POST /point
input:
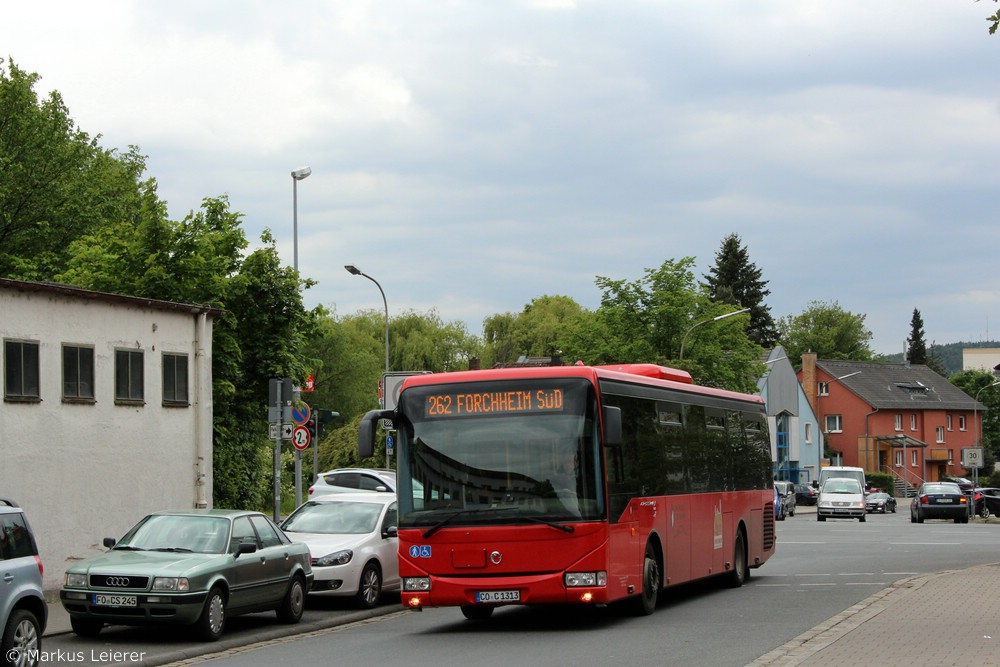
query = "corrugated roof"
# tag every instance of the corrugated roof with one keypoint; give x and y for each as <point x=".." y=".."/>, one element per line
<point x="899" y="386"/>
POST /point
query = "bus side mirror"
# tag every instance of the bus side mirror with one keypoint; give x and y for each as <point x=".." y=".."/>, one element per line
<point x="366" y="431"/>
<point x="612" y="426"/>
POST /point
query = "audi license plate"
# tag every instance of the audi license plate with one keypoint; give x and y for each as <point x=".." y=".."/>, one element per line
<point x="103" y="600"/>
<point x="944" y="500"/>
<point x="498" y="596"/>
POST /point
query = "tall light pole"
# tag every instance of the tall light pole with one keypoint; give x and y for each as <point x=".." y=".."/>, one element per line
<point x="297" y="175"/>
<point x="711" y="319"/>
<point x="355" y="271"/>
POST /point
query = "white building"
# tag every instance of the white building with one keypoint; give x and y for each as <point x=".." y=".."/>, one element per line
<point x="981" y="359"/>
<point x="106" y="413"/>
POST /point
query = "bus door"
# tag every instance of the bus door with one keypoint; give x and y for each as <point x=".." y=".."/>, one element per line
<point x="625" y="546"/>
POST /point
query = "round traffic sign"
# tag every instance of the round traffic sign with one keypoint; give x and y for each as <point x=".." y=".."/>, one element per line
<point x="301" y="412"/>
<point x="301" y="437"/>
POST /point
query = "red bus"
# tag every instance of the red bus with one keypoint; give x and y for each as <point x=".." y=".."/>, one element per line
<point x="574" y="484"/>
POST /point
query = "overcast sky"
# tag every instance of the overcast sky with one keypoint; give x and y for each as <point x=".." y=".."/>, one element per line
<point x="474" y="155"/>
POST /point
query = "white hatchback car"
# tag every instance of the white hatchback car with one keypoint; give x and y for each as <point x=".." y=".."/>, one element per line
<point x="352" y="539"/>
<point x="352" y="480"/>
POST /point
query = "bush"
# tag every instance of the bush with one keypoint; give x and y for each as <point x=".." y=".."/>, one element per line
<point x="881" y="480"/>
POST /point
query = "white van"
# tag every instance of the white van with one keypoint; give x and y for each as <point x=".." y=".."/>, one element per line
<point x="849" y="472"/>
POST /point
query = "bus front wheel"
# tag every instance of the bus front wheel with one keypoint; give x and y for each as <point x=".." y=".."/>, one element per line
<point x="645" y="604"/>
<point x="740" y="571"/>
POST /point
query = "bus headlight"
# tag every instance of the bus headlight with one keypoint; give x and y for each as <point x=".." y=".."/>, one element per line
<point x="577" y="579"/>
<point x="416" y="583"/>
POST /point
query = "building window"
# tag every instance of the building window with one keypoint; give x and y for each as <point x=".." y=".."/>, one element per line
<point x="899" y="458"/>
<point x="824" y="389"/>
<point x="809" y="433"/>
<point x="834" y="424"/>
<point x="175" y="379"/>
<point x="951" y="456"/>
<point x="913" y="458"/>
<point x="899" y="422"/>
<point x="20" y="370"/>
<point x="940" y="433"/>
<point x="949" y="422"/>
<point x="913" y="422"/>
<point x="128" y="376"/>
<point x="961" y="422"/>
<point x="78" y="372"/>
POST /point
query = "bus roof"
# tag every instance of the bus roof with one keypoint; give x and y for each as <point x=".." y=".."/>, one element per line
<point x="650" y="374"/>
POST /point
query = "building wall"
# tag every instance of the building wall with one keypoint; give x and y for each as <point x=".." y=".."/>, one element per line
<point x="87" y="471"/>
<point x="980" y="359"/>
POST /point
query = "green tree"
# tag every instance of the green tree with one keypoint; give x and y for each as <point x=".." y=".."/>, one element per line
<point x="56" y="183"/>
<point x="986" y="422"/>
<point x="647" y="321"/>
<point x="916" y="346"/>
<point x="539" y="330"/>
<point x="829" y="331"/>
<point x="994" y="20"/>
<point x="735" y="280"/>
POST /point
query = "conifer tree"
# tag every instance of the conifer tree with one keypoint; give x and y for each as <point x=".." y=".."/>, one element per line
<point x="736" y="280"/>
<point x="916" y="346"/>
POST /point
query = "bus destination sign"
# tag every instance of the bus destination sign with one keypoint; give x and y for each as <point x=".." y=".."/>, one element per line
<point x="482" y="403"/>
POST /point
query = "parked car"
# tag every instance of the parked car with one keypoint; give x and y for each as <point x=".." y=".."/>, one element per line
<point x="352" y="538"/>
<point x="23" y="612"/>
<point x="939" y="500"/>
<point x="841" y="498"/>
<point x="787" y="492"/>
<point x="963" y="483"/>
<point x="987" y="502"/>
<point x="805" y="494"/>
<point x="779" y="513"/>
<point x="348" y="480"/>
<point x="194" y="568"/>
<point x="879" y="501"/>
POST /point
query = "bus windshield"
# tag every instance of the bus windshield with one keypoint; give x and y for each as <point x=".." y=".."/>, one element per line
<point x="500" y="452"/>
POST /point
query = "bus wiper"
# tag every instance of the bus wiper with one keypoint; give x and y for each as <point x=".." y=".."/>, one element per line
<point x="479" y="510"/>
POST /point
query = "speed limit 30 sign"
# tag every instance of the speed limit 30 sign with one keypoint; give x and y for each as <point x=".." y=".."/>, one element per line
<point x="301" y="437"/>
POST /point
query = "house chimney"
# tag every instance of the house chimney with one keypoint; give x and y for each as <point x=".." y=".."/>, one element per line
<point x="809" y="385"/>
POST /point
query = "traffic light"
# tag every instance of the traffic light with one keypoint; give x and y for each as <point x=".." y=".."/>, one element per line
<point x="311" y="426"/>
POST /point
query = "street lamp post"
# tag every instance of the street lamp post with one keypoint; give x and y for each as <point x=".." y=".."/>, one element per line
<point x="297" y="175"/>
<point x="711" y="319"/>
<point x="355" y="271"/>
<point x="977" y="424"/>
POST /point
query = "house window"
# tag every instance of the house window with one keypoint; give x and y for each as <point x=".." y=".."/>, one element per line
<point x="175" y="379"/>
<point x="808" y="433"/>
<point x="949" y="422"/>
<point x="913" y="458"/>
<point x="834" y="424"/>
<point x="961" y="422"/>
<point x="940" y="433"/>
<point x="78" y="372"/>
<point x="913" y="422"/>
<point x="899" y="422"/>
<point x="899" y="458"/>
<point x="824" y="389"/>
<point x="128" y="375"/>
<point x="951" y="456"/>
<point x="20" y="370"/>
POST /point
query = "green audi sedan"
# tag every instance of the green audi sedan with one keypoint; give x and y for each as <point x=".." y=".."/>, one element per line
<point x="193" y="568"/>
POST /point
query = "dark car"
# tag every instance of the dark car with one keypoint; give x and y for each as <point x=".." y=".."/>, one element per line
<point x="805" y="494"/>
<point x="879" y="501"/>
<point x="987" y="502"/>
<point x="965" y="484"/>
<point x="939" y="500"/>
<point x="196" y="568"/>
<point x="787" y="492"/>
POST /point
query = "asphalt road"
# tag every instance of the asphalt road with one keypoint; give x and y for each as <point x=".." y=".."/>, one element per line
<point x="819" y="570"/>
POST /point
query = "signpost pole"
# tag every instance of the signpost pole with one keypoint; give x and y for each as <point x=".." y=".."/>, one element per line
<point x="276" y="484"/>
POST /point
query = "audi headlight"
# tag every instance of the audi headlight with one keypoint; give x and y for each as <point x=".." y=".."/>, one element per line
<point x="75" y="580"/>
<point x="171" y="584"/>
<point x="336" y="558"/>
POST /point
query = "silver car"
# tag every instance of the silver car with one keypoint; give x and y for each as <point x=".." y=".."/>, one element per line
<point x="23" y="612"/>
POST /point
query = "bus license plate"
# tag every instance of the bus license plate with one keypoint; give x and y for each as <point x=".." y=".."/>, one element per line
<point x="498" y="596"/>
<point x="102" y="600"/>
